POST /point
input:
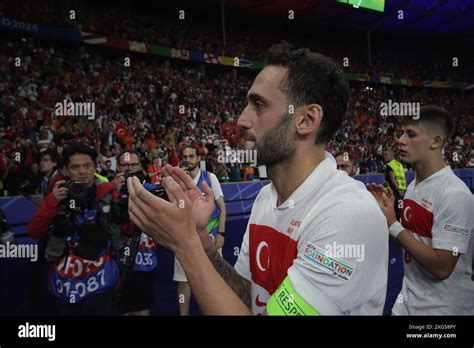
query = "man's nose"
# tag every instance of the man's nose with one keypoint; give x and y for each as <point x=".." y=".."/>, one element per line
<point x="244" y="120"/>
<point x="401" y="140"/>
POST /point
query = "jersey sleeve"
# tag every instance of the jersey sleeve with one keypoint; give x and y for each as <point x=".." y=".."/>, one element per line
<point x="242" y="266"/>
<point x="342" y="260"/>
<point x="216" y="186"/>
<point x="453" y="222"/>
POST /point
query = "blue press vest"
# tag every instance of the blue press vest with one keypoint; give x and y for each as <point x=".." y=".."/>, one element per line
<point x="72" y="278"/>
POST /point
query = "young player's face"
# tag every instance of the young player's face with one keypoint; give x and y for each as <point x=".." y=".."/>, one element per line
<point x="265" y="118"/>
<point x="414" y="144"/>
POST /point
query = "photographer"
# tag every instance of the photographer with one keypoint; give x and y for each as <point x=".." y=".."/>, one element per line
<point x="136" y="294"/>
<point x="83" y="241"/>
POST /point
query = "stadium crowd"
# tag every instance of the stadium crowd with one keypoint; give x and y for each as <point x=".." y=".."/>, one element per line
<point x="408" y="58"/>
<point x="156" y="107"/>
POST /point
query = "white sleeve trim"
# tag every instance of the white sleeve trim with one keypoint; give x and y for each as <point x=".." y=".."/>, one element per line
<point x="460" y="248"/>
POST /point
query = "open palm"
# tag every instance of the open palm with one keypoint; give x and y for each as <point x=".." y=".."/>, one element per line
<point x="202" y="203"/>
<point x="386" y="200"/>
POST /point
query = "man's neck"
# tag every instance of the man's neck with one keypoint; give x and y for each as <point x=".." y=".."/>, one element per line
<point x="195" y="172"/>
<point x="425" y="169"/>
<point x="287" y="177"/>
<point x="49" y="173"/>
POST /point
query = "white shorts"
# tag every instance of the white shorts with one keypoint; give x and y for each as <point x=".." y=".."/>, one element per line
<point x="179" y="275"/>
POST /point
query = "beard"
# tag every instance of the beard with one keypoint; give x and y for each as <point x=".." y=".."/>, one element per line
<point x="277" y="145"/>
<point x="192" y="166"/>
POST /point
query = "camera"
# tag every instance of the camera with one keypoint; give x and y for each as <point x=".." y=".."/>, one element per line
<point x="139" y="174"/>
<point x="184" y="165"/>
<point x="77" y="190"/>
<point x="80" y="193"/>
<point x="94" y="231"/>
<point x="158" y="191"/>
<point x="121" y="210"/>
<point x="124" y="189"/>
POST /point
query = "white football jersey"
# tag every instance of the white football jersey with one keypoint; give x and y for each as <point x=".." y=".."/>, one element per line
<point x="439" y="211"/>
<point x="329" y="238"/>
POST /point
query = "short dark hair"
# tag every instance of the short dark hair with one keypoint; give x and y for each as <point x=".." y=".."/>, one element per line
<point x="191" y="147"/>
<point x="435" y="116"/>
<point x="312" y="79"/>
<point x="78" y="148"/>
<point x="132" y="152"/>
<point x="53" y="154"/>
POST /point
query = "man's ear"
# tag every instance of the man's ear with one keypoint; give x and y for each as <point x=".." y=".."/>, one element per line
<point x="309" y="119"/>
<point x="65" y="171"/>
<point x="437" y="142"/>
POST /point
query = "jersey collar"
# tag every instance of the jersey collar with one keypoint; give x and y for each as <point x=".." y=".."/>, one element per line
<point x="434" y="175"/>
<point x="310" y="186"/>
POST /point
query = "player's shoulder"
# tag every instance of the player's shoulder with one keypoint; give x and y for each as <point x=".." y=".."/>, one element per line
<point x="343" y="188"/>
<point x="345" y="196"/>
<point x="264" y="194"/>
<point x="456" y="196"/>
<point x="455" y="184"/>
<point x="263" y="200"/>
<point x="346" y="213"/>
<point x="450" y="188"/>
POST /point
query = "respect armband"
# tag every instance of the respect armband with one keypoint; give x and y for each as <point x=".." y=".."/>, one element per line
<point x="286" y="301"/>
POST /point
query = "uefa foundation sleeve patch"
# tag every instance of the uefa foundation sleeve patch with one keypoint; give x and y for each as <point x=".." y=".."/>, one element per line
<point x="285" y="301"/>
<point x="327" y="262"/>
<point x="456" y="230"/>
